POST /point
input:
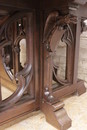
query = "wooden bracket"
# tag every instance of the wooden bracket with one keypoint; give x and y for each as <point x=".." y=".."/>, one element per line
<point x="56" y="115"/>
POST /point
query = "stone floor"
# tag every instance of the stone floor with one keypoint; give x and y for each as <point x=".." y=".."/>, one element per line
<point x="76" y="107"/>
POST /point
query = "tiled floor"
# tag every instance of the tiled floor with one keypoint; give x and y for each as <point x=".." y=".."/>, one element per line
<point x="75" y="106"/>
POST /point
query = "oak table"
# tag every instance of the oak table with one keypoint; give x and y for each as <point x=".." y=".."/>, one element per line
<point x="40" y="26"/>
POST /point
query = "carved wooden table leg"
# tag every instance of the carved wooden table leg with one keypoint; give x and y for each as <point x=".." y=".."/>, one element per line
<point x="39" y="86"/>
<point x="66" y="28"/>
<point x="51" y="105"/>
<point x="17" y="27"/>
<point x="56" y="115"/>
<point x="80" y="86"/>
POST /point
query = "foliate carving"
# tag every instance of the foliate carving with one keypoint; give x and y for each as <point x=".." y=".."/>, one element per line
<point x="60" y="26"/>
<point x="53" y="22"/>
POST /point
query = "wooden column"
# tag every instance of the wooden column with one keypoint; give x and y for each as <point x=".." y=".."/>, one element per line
<point x="77" y="46"/>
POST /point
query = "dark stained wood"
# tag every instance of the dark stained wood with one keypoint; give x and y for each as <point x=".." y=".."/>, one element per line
<point x="30" y="91"/>
<point x="30" y="50"/>
<point x="53" y="4"/>
<point x="36" y="57"/>
<point x="58" y="118"/>
<point x="65" y="91"/>
<point x="71" y="37"/>
<point x="43" y="24"/>
<point x="17" y="111"/>
<point x="20" y="4"/>
<point x="77" y="47"/>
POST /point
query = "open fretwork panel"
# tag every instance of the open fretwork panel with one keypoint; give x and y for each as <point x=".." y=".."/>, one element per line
<point x="62" y="27"/>
<point x="32" y="35"/>
<point x="18" y="59"/>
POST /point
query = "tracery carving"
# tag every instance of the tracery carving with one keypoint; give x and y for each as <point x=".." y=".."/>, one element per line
<point x="34" y="79"/>
<point x="8" y="40"/>
<point x="61" y="25"/>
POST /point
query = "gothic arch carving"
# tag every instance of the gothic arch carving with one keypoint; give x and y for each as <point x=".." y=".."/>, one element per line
<point x="23" y="77"/>
<point x="64" y="32"/>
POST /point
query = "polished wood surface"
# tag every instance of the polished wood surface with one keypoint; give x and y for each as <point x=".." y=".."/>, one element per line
<point x="43" y="24"/>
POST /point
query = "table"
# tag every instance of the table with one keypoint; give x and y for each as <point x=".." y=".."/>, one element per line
<point x="42" y="25"/>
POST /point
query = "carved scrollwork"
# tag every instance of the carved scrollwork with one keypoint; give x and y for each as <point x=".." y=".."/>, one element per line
<point x="68" y="36"/>
<point x="60" y="27"/>
<point x="53" y="22"/>
<point x="24" y="76"/>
